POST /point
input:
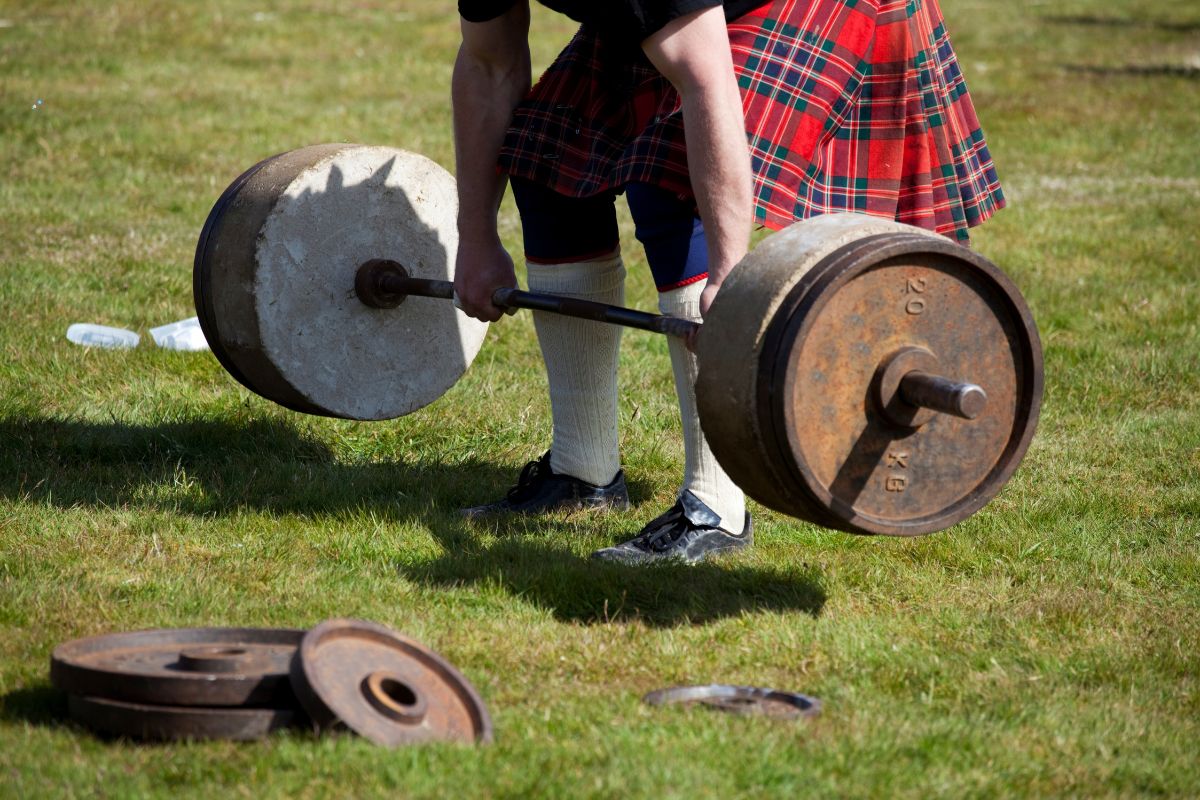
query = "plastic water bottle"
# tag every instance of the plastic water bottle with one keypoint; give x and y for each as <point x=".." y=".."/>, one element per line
<point x="90" y="335"/>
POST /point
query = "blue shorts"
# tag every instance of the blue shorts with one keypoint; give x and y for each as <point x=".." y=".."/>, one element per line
<point x="560" y="229"/>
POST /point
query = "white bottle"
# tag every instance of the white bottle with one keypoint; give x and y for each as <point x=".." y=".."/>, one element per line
<point x="90" y="335"/>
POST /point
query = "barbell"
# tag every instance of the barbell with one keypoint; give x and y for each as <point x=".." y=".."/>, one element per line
<point x="854" y="372"/>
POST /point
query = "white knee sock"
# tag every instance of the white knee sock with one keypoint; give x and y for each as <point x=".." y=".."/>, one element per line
<point x="702" y="474"/>
<point x="581" y="365"/>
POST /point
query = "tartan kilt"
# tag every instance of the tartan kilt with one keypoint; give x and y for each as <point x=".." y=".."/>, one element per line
<point x="850" y="105"/>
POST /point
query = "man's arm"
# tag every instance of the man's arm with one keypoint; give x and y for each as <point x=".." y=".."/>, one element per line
<point x="491" y="75"/>
<point x="693" y="53"/>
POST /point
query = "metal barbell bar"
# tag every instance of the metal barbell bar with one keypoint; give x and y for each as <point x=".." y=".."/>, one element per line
<point x="384" y="284"/>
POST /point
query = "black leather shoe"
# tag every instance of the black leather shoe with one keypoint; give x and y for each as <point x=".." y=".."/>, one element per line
<point x="539" y="490"/>
<point x="689" y="532"/>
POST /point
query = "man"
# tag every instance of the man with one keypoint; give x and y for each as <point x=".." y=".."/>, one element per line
<point x="845" y="106"/>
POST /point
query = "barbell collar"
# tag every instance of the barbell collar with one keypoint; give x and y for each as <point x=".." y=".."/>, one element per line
<point x="921" y="389"/>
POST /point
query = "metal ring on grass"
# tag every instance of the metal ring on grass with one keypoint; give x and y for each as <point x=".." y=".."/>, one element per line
<point x="739" y="700"/>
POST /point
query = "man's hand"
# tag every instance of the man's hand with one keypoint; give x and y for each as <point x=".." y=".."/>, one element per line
<point x="706" y="297"/>
<point x="482" y="269"/>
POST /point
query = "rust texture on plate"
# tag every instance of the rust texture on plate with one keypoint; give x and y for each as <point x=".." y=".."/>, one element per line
<point x="176" y="723"/>
<point x="739" y="700"/>
<point x="845" y="323"/>
<point x="181" y="666"/>
<point x="737" y="331"/>
<point x="385" y="687"/>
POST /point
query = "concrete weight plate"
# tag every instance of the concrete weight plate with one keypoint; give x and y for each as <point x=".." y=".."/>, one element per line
<point x="181" y="666"/>
<point x="385" y="687"/>
<point x="274" y="281"/>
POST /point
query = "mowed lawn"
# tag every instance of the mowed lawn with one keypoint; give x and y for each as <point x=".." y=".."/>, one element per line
<point x="1048" y="646"/>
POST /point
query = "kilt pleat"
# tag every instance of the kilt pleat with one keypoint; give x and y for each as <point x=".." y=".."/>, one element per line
<point x="850" y="105"/>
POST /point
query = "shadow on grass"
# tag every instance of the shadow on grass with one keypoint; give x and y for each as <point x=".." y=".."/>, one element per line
<point x="210" y="468"/>
<point x="576" y="589"/>
<point x="204" y="468"/>
<point x="43" y="706"/>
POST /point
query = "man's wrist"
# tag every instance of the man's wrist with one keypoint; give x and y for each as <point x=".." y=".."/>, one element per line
<point x="472" y="233"/>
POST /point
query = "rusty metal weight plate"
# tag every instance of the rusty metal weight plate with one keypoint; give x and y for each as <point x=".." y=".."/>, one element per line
<point x="862" y="321"/>
<point x="181" y="666"/>
<point x="179" y="723"/>
<point x="870" y="466"/>
<point x="385" y="687"/>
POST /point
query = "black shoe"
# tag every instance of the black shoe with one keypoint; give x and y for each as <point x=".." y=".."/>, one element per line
<point x="539" y="490"/>
<point x="688" y="532"/>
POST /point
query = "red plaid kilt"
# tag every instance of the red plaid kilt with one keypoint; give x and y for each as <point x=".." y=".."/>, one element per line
<point x="850" y="105"/>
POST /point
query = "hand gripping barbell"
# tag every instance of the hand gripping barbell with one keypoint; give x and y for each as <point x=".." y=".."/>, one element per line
<point x="854" y="372"/>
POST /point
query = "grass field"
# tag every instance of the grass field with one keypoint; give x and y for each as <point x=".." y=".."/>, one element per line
<point x="1045" y="647"/>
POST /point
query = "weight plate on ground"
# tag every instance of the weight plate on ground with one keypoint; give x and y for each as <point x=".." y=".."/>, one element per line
<point x="739" y="700"/>
<point x="274" y="281"/>
<point x="385" y="687"/>
<point x="175" y="723"/>
<point x="181" y="666"/>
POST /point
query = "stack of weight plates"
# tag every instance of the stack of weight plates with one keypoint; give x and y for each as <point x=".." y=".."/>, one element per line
<point x="243" y="683"/>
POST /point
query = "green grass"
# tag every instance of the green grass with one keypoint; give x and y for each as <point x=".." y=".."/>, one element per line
<point x="1047" y="646"/>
